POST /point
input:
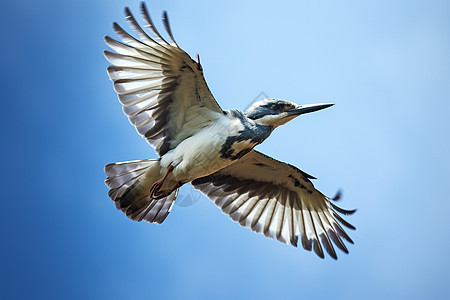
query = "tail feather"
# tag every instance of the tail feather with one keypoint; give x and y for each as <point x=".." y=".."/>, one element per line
<point x="130" y="184"/>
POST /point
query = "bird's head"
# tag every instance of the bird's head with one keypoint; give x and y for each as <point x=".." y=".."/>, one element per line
<point x="276" y="112"/>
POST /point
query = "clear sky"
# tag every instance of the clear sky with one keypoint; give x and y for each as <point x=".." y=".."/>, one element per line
<point x="386" y="143"/>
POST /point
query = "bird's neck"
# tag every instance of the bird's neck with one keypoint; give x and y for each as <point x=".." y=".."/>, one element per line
<point x="250" y="135"/>
<point x="257" y="132"/>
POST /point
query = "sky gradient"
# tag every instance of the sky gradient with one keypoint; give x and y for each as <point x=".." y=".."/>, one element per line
<point x="386" y="143"/>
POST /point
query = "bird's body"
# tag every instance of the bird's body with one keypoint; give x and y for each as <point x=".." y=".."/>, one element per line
<point x="165" y="96"/>
<point x="220" y="143"/>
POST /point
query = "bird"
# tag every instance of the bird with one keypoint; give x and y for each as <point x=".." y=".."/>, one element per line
<point x="165" y="96"/>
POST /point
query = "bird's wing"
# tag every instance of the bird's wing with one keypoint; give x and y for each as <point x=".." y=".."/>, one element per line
<point x="162" y="90"/>
<point x="279" y="200"/>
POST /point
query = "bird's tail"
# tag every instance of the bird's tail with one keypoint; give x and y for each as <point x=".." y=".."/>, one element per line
<point x="130" y="184"/>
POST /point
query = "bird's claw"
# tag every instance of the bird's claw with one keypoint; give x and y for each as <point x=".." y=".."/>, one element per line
<point x="155" y="193"/>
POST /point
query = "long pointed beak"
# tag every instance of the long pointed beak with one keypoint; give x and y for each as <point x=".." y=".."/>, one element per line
<point x="303" y="109"/>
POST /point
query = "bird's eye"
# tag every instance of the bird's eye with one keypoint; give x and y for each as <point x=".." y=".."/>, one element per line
<point x="275" y="107"/>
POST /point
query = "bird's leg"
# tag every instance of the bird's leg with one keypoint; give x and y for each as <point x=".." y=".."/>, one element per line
<point x="155" y="193"/>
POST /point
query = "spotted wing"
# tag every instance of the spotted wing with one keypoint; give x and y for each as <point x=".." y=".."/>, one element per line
<point x="279" y="200"/>
<point x="162" y="90"/>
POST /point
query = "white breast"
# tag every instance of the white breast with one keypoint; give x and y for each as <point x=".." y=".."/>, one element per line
<point x="199" y="155"/>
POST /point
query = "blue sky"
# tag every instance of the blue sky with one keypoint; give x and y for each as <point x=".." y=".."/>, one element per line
<point x="385" y="64"/>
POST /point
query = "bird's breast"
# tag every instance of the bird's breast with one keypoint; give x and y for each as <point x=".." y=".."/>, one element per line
<point x="239" y="143"/>
<point x="202" y="153"/>
<point x="236" y="146"/>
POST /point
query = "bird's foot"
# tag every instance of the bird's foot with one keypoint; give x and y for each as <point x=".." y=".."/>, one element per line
<point x="161" y="194"/>
<point x="155" y="193"/>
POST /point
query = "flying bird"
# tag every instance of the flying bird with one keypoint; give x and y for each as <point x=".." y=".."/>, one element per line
<point x="165" y="96"/>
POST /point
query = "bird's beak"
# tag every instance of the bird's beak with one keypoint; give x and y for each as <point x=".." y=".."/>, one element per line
<point x="303" y="109"/>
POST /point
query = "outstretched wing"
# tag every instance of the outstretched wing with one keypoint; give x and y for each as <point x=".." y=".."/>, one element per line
<point x="162" y="90"/>
<point x="277" y="199"/>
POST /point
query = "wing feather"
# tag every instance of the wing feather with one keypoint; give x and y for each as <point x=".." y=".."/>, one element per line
<point x="158" y="83"/>
<point x="270" y="216"/>
<point x="315" y="237"/>
<point x="281" y="220"/>
<point x="293" y="235"/>
<point x="332" y="233"/>
<point x="252" y="202"/>
<point x="301" y="225"/>
<point x="278" y="200"/>
<point x="135" y="26"/>
<point x="150" y="23"/>
<point x="167" y="26"/>
<point x="256" y="225"/>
